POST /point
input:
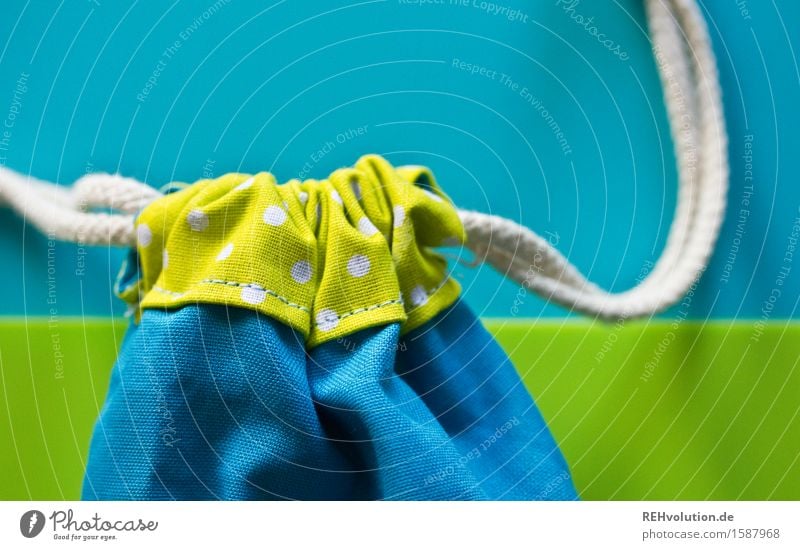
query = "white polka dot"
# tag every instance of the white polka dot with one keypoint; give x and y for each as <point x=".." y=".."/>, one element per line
<point x="198" y="220"/>
<point x="336" y="196"/>
<point x="301" y="271"/>
<point x="286" y="205"/>
<point x="358" y="265"/>
<point x="432" y="195"/>
<point x="164" y="259"/>
<point x="245" y="184"/>
<point x="302" y="197"/>
<point x="419" y="296"/>
<point x="225" y="252"/>
<point x="143" y="235"/>
<point x="366" y="227"/>
<point x="274" y="215"/>
<point x="327" y="320"/>
<point x="356" y="189"/>
<point x="399" y="215"/>
<point x="253" y="294"/>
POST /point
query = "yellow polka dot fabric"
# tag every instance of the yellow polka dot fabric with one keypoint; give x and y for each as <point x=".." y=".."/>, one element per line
<point x="327" y="257"/>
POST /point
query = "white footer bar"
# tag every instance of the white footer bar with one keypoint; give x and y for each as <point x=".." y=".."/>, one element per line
<point x="412" y="526"/>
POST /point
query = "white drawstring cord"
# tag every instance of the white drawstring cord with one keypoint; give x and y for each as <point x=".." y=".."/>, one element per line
<point x="115" y="192"/>
<point x="64" y="214"/>
<point x="689" y="77"/>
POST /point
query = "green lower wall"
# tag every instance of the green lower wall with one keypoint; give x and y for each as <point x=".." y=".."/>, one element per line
<point x="650" y="411"/>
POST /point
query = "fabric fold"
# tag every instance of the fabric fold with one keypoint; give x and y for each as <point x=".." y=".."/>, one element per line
<point x="303" y="341"/>
<point x="327" y="257"/>
<point x="209" y="402"/>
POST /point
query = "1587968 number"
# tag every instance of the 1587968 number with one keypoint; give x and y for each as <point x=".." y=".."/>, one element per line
<point x="757" y="533"/>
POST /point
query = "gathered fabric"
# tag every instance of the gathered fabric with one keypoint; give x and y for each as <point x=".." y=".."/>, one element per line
<point x="325" y="257"/>
<point x="304" y="341"/>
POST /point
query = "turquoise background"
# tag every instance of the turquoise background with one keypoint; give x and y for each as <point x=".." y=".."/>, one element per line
<point x="265" y="86"/>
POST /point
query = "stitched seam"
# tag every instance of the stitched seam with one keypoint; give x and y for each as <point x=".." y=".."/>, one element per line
<point x="258" y="287"/>
<point x="168" y="292"/>
<point x="241" y="285"/>
<point x="368" y="308"/>
<point x="398" y="301"/>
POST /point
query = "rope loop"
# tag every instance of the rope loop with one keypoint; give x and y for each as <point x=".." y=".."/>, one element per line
<point x="687" y="68"/>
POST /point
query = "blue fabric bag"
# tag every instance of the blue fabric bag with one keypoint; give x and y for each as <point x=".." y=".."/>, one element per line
<point x="211" y="399"/>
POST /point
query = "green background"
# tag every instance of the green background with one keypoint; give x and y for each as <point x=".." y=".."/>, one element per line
<point x="716" y="419"/>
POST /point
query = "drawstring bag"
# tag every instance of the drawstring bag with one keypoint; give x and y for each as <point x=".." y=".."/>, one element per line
<point x="301" y="341"/>
<point x="305" y="341"/>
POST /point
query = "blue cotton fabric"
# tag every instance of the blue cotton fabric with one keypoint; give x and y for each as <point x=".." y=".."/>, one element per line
<point x="209" y="402"/>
